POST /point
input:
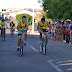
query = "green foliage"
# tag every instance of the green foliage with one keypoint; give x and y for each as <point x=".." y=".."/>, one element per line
<point x="34" y="20"/>
<point x="58" y="8"/>
<point x="49" y="20"/>
<point x="28" y="17"/>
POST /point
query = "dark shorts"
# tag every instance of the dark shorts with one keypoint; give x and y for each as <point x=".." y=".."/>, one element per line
<point x="19" y="34"/>
<point x="45" y="30"/>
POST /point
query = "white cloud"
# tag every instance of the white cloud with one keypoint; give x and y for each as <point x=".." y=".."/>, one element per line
<point x="19" y="4"/>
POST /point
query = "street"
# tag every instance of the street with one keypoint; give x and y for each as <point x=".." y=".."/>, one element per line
<point x="57" y="59"/>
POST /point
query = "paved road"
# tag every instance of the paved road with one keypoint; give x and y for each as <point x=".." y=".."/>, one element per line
<point x="57" y="59"/>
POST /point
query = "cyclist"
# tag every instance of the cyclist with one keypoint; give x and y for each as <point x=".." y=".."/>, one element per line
<point x="42" y="27"/>
<point x="12" y="25"/>
<point x="22" y="27"/>
<point x="3" y="25"/>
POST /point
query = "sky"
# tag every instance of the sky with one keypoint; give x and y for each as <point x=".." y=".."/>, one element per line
<point x="20" y="4"/>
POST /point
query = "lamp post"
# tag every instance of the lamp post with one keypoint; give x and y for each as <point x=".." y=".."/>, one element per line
<point x="33" y="18"/>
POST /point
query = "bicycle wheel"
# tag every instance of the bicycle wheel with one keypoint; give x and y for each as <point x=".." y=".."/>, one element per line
<point x="22" y="48"/>
<point x="12" y="33"/>
<point x="44" y="46"/>
<point x="4" y="36"/>
<point x="41" y="50"/>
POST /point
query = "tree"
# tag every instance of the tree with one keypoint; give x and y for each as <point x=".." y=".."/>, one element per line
<point x="57" y="8"/>
<point x="28" y="17"/>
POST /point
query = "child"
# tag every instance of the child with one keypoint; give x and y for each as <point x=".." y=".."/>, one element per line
<point x="66" y="32"/>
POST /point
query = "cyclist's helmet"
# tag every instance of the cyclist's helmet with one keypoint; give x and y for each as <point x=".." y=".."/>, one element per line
<point x="11" y="21"/>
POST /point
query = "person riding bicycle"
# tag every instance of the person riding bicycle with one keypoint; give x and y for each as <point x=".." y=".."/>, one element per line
<point x="22" y="27"/>
<point x="3" y="25"/>
<point x="12" y="25"/>
<point x="43" y="27"/>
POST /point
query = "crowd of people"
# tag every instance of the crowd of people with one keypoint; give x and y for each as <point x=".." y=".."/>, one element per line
<point x="61" y="31"/>
<point x="3" y="25"/>
<point x="58" y="31"/>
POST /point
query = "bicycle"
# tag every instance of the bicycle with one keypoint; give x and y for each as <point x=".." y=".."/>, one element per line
<point x="43" y="43"/>
<point x="3" y="34"/>
<point x="12" y="32"/>
<point x="22" y="44"/>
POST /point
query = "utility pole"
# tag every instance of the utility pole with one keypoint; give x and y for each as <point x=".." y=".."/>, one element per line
<point x="33" y="19"/>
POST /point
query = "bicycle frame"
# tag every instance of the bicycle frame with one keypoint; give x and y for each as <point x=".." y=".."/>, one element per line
<point x="43" y="43"/>
<point x="12" y="31"/>
<point x="43" y="38"/>
<point x="21" y="41"/>
<point x="3" y="34"/>
<point x="21" y="45"/>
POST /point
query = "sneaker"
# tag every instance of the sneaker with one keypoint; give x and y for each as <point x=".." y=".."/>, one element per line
<point x="64" y="41"/>
<point x="70" y="45"/>
<point x="18" y="48"/>
<point x="40" y="43"/>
